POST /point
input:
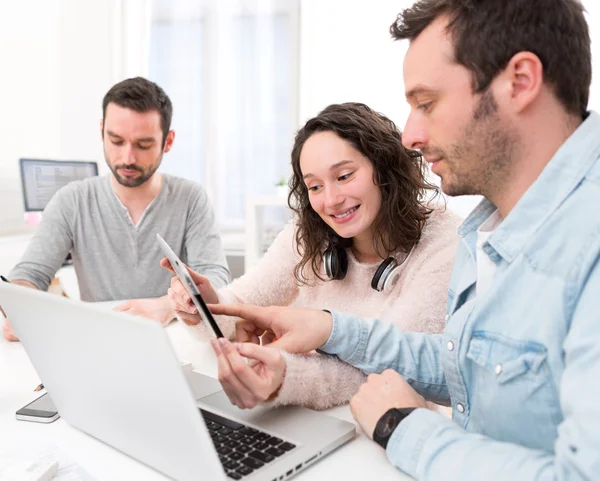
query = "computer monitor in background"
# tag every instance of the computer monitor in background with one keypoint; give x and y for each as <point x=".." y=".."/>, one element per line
<point x="41" y="179"/>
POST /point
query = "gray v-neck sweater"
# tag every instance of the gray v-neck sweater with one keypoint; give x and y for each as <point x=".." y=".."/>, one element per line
<point x="113" y="258"/>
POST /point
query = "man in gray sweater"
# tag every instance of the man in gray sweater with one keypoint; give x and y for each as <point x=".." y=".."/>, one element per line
<point x="109" y="223"/>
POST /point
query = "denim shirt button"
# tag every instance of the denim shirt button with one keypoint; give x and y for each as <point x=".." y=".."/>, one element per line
<point x="498" y="368"/>
<point x="450" y="346"/>
<point x="447" y="317"/>
<point x="460" y="407"/>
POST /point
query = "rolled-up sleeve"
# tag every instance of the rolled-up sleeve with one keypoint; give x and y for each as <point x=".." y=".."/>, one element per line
<point x="374" y="346"/>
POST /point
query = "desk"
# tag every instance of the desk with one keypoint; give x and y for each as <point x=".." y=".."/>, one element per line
<point x="360" y="459"/>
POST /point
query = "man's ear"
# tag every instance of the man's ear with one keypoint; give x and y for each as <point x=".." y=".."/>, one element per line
<point x="102" y="129"/>
<point x="525" y="76"/>
<point x="169" y="141"/>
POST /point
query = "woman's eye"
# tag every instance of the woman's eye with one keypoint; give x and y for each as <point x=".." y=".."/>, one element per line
<point x="314" y="188"/>
<point x="345" y="176"/>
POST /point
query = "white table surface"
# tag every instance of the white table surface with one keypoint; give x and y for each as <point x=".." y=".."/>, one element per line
<point x="360" y="459"/>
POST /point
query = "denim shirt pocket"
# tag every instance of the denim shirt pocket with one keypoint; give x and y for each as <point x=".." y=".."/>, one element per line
<point x="505" y="358"/>
<point x="512" y="377"/>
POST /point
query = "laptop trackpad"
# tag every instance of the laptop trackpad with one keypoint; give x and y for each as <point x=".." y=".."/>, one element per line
<point x="202" y="385"/>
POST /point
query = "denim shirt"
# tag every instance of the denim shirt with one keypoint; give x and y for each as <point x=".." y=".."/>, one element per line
<point x="520" y="364"/>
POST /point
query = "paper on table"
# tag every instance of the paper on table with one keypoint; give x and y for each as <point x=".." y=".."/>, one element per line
<point x="26" y="451"/>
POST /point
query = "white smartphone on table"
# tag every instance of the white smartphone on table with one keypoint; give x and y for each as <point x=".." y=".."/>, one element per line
<point x="41" y="410"/>
<point x="185" y="278"/>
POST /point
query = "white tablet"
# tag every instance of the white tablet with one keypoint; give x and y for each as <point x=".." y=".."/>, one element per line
<point x="190" y="287"/>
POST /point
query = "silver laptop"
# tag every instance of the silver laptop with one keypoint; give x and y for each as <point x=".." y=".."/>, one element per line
<point x="117" y="378"/>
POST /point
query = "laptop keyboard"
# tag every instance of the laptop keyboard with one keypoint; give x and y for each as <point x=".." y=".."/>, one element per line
<point x="242" y="449"/>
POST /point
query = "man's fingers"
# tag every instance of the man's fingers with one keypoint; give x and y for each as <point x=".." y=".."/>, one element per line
<point x="354" y="407"/>
<point x="357" y="401"/>
<point x="8" y="332"/>
<point x="267" y="338"/>
<point x="166" y="320"/>
<point x="234" y="310"/>
<point x="246" y="331"/>
<point x="258" y="315"/>
<point x="123" y="307"/>
<point x="285" y="343"/>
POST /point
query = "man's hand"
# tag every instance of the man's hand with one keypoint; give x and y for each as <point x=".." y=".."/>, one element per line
<point x="246" y="385"/>
<point x="157" y="309"/>
<point x="378" y="395"/>
<point x="295" y="330"/>
<point x="179" y="298"/>
<point x="7" y="329"/>
<point x="8" y="332"/>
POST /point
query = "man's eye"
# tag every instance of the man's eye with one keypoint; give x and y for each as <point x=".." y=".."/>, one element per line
<point x="424" y="107"/>
<point x="144" y="147"/>
<point x="117" y="142"/>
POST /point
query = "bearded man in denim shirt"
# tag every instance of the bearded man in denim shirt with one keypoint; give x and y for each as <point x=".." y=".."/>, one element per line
<point x="498" y="93"/>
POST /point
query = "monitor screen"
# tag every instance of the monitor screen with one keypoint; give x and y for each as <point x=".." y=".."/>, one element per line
<point x="43" y="178"/>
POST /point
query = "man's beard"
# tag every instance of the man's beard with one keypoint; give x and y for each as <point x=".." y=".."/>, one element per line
<point x="479" y="163"/>
<point x="134" y="181"/>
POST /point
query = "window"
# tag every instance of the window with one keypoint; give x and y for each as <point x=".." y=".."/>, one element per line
<point x="230" y="68"/>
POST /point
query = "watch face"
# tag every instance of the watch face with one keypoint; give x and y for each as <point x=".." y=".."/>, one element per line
<point x="388" y="423"/>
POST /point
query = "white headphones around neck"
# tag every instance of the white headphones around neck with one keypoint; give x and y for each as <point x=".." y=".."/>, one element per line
<point x="335" y="262"/>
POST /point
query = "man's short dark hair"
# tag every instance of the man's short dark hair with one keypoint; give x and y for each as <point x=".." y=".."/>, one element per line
<point x="488" y="33"/>
<point x="141" y="95"/>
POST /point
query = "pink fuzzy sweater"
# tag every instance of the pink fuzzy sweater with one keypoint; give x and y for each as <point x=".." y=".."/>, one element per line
<point x="416" y="303"/>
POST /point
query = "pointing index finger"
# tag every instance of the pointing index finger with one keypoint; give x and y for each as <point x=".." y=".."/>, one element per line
<point x="257" y="315"/>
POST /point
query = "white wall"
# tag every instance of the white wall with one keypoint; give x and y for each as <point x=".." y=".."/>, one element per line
<point x="347" y="54"/>
<point x="87" y="69"/>
<point x="57" y="58"/>
<point x="29" y="53"/>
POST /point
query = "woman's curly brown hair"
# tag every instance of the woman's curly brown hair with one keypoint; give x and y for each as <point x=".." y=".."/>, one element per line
<point x="399" y="173"/>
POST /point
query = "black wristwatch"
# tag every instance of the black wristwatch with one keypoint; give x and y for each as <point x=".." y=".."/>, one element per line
<point x="387" y="423"/>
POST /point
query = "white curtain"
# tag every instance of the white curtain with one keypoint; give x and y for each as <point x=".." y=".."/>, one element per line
<point x="230" y="69"/>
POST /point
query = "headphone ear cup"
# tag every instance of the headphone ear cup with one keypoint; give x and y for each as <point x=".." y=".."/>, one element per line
<point x="386" y="275"/>
<point x="327" y="255"/>
<point x="335" y="261"/>
<point x="342" y="264"/>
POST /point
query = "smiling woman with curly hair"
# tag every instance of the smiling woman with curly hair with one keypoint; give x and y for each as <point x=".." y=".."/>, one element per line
<point x="368" y="238"/>
<point x="398" y="175"/>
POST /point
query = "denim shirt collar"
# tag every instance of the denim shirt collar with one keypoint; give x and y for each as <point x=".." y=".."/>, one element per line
<point x="564" y="172"/>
